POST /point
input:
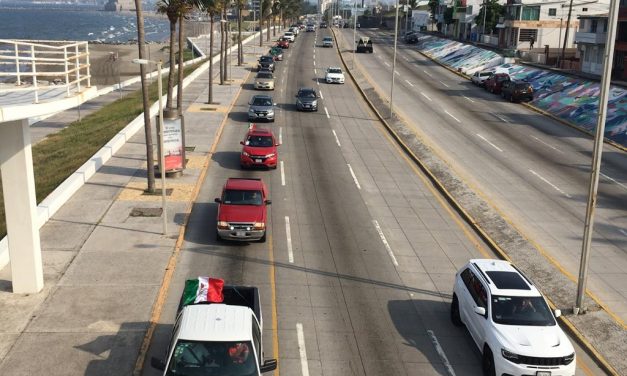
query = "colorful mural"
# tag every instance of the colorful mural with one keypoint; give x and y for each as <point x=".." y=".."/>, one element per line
<point x="570" y="98"/>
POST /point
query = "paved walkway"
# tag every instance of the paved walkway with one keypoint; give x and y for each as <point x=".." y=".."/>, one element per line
<point x="102" y="266"/>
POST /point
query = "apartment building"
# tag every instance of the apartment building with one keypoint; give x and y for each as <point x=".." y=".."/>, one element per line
<point x="544" y="22"/>
<point x="590" y="39"/>
<point x="620" y="50"/>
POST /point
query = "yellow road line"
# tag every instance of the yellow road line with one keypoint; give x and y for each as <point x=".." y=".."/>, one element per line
<point x="275" y="325"/>
<point x="167" y="278"/>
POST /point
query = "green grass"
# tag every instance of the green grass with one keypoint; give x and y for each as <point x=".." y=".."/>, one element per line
<point x="62" y="153"/>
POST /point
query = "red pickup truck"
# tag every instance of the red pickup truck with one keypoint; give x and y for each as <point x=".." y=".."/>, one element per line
<point x="242" y="210"/>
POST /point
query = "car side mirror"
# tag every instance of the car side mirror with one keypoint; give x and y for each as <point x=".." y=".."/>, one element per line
<point x="268" y="202"/>
<point x="557" y="313"/>
<point x="277" y="144"/>
<point x="480" y="311"/>
<point x="158" y="363"/>
<point x="218" y="200"/>
<point x="241" y="142"/>
<point x="274" y="104"/>
<point x="268" y="365"/>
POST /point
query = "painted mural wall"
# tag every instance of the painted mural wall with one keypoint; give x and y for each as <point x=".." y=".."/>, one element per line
<point x="569" y="98"/>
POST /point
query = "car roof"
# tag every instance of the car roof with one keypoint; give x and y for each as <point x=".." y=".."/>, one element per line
<point x="216" y="322"/>
<point x="503" y="278"/>
<point x="243" y="184"/>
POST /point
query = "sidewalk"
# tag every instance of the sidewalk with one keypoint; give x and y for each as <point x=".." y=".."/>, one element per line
<point x="103" y="267"/>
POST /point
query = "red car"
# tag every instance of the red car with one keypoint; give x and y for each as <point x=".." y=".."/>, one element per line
<point x="260" y="149"/>
<point x="495" y="82"/>
<point x="242" y="210"/>
<point x="283" y="43"/>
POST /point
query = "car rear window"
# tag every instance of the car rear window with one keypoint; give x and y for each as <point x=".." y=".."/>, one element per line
<point x="242" y="197"/>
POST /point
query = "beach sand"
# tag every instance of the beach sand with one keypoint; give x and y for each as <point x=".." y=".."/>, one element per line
<point x="113" y="62"/>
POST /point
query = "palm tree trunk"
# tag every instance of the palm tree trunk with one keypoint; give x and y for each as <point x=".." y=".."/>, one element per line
<point x="168" y="103"/>
<point x="146" y="101"/>
<point x="210" y="95"/>
<point x="221" y="50"/>
<point x="268" y="32"/>
<point x="179" y="91"/>
<point x="273" y="24"/>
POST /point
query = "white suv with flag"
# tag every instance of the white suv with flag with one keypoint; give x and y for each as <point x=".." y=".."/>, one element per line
<point x="510" y="321"/>
<point x="218" y="331"/>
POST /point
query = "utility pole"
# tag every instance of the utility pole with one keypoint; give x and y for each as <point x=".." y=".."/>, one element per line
<point x="597" y="154"/>
<point x="570" y="11"/>
<point x="394" y="61"/>
<point x="485" y="11"/>
<point x="261" y="23"/>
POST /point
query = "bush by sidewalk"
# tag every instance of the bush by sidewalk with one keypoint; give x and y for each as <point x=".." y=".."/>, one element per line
<point x="60" y="154"/>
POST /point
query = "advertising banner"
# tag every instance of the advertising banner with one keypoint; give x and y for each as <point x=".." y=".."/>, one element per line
<point x="173" y="145"/>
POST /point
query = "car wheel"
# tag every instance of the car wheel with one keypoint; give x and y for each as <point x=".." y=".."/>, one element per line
<point x="487" y="364"/>
<point x="263" y="238"/>
<point x="455" y="318"/>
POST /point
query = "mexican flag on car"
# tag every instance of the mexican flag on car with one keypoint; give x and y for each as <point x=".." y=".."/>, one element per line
<point x="203" y="289"/>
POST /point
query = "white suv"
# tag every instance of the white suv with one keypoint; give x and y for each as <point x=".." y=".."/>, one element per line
<point x="510" y="321"/>
<point x="334" y="75"/>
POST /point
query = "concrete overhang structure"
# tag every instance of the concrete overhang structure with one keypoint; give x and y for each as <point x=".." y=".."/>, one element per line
<point x="46" y="77"/>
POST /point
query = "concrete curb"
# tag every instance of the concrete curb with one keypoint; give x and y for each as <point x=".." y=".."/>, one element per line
<point x="57" y="198"/>
<point x="470" y="220"/>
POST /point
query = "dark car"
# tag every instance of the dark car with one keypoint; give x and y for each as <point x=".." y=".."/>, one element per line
<point x="266" y="62"/>
<point x="411" y="37"/>
<point x="517" y="91"/>
<point x="323" y="25"/>
<point x="364" y="45"/>
<point x="494" y="83"/>
<point x="306" y="99"/>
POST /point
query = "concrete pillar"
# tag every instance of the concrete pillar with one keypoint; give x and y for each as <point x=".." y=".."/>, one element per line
<point x="18" y="187"/>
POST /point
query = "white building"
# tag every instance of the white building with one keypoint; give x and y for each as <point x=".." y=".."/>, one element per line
<point x="590" y="39"/>
<point x="544" y="22"/>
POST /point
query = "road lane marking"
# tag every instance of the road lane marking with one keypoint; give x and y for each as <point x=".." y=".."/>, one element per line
<point x="354" y="177"/>
<point x="451" y="115"/>
<point x="302" y="349"/>
<point x="318" y="83"/>
<point x="386" y="63"/>
<point x="327" y="111"/>
<point x="547" y="144"/>
<point x="499" y="117"/>
<point x="468" y="98"/>
<point x="622" y="231"/>
<point x="427" y="73"/>
<point x="337" y="140"/>
<point x="288" y="234"/>
<point x="406" y="58"/>
<point x="410" y="84"/>
<point x="444" y="84"/>
<point x="614" y="180"/>
<point x="280" y="135"/>
<point x="321" y="96"/>
<point x="426" y="96"/>
<point x="441" y="353"/>
<point x="282" y="175"/>
<point x="549" y="183"/>
<point x="396" y="72"/>
<point x="385" y="242"/>
<point x="491" y="144"/>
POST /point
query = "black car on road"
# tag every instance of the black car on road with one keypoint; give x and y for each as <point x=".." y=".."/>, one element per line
<point x="517" y="91"/>
<point x="306" y="99"/>
<point x="266" y="62"/>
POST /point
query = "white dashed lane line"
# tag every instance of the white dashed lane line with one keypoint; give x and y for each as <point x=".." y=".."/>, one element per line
<point x="327" y="112"/>
<point x="549" y="183"/>
<point x="444" y="84"/>
<point x="282" y="174"/>
<point x="491" y="144"/>
<point x="302" y="350"/>
<point x="337" y="140"/>
<point x="354" y="176"/>
<point x="468" y="98"/>
<point x="427" y="73"/>
<point x="451" y="115"/>
<point x="280" y="135"/>
<point x="426" y="96"/>
<point x="547" y="144"/>
<point x="441" y="353"/>
<point x="501" y="118"/>
<point x="288" y="235"/>
<point x="385" y="242"/>
<point x="386" y="63"/>
<point x="614" y="180"/>
<point x="321" y="96"/>
<point x="409" y="83"/>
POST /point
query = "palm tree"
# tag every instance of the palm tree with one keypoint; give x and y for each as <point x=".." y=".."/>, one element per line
<point x="267" y="10"/>
<point x="240" y="49"/>
<point x="171" y="8"/>
<point x="212" y="7"/>
<point x="147" y="126"/>
<point x="186" y="6"/>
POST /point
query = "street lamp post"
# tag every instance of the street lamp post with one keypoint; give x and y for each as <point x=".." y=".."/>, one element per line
<point x="161" y="153"/>
<point x="394" y="61"/>
<point x="354" y="32"/>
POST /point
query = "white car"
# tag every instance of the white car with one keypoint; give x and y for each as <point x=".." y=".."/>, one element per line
<point x="334" y="75"/>
<point x="510" y="321"/>
<point x="479" y="77"/>
<point x="327" y="42"/>
<point x="289" y="36"/>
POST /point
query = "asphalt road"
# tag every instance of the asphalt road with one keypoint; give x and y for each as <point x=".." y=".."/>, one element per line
<point x="336" y="300"/>
<point x="534" y="170"/>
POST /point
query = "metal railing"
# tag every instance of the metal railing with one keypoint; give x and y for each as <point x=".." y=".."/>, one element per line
<point x="30" y="65"/>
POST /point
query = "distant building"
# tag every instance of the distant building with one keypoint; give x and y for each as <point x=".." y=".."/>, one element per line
<point x="590" y="39"/>
<point x="119" y="5"/>
<point x="620" y="50"/>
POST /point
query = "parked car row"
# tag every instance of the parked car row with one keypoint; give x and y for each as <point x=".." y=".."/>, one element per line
<point x="503" y="84"/>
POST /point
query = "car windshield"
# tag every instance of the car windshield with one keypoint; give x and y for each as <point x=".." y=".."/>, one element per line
<point x="192" y="358"/>
<point x="264" y="75"/>
<point x="261" y="101"/>
<point x="266" y="59"/>
<point x="289" y="33"/>
<point x="259" y="141"/>
<point x="306" y="94"/>
<point x="521" y="310"/>
<point x="242" y="197"/>
<point x="335" y="70"/>
<point x="522" y="86"/>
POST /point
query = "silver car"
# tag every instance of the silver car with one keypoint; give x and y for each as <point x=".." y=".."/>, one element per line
<point x="261" y="107"/>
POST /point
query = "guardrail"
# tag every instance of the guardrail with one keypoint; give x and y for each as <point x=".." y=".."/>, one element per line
<point x="33" y="65"/>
